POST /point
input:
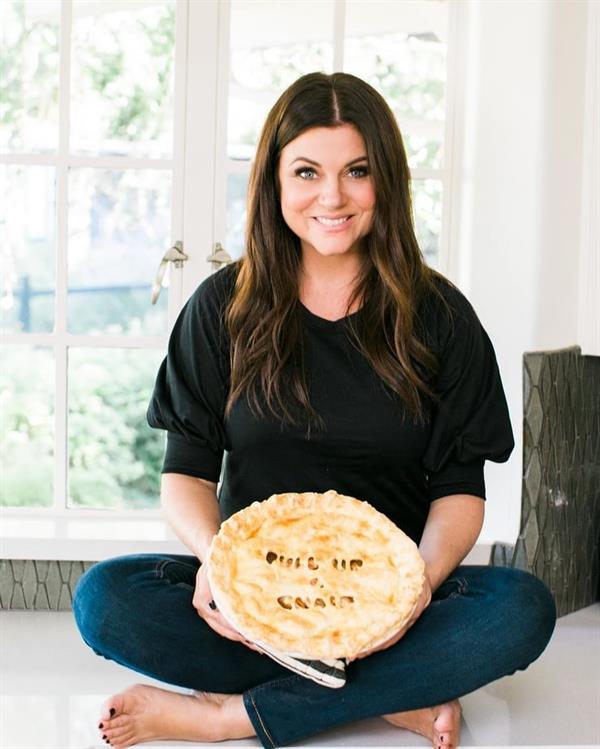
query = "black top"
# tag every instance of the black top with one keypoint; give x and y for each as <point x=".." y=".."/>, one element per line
<point x="368" y="450"/>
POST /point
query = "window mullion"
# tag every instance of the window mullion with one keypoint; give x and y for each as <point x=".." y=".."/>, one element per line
<point x="420" y="172"/>
<point x="339" y="34"/>
<point x="199" y="179"/>
<point x="179" y="144"/>
<point x="60" y="309"/>
<point x="452" y="185"/>
<point x="222" y="125"/>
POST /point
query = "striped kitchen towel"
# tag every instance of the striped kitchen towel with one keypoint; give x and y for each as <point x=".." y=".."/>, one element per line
<point x="327" y="673"/>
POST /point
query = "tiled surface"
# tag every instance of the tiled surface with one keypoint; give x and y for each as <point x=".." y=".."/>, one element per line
<point x="48" y="585"/>
<point x="42" y="585"/>
<point x="559" y="540"/>
<point x="52" y="687"/>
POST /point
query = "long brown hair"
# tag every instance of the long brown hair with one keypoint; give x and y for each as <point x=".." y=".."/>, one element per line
<point x="264" y="315"/>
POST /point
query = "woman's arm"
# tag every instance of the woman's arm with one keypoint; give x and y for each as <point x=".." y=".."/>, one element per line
<point x="191" y="508"/>
<point x="452" y="528"/>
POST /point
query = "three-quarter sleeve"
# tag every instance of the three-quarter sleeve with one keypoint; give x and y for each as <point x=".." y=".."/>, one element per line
<point x="470" y="422"/>
<point x="191" y="387"/>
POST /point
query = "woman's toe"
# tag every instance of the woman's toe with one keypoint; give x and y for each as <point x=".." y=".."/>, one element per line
<point x="119" y="738"/>
<point x="126" y="740"/>
<point x="111" y="708"/>
<point x="116" y="733"/>
<point x="121" y="721"/>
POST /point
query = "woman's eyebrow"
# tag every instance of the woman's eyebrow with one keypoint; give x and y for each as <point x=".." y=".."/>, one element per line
<point x="316" y="163"/>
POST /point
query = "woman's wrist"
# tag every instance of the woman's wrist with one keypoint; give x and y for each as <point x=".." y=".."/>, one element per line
<point x="202" y="541"/>
<point x="435" y="577"/>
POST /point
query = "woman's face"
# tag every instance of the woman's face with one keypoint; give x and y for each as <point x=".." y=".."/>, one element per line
<point x="327" y="193"/>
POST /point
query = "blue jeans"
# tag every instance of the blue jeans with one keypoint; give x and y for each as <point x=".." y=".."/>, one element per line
<point x="483" y="623"/>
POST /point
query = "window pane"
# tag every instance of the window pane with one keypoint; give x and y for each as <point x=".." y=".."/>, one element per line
<point x="123" y="57"/>
<point x="119" y="228"/>
<point x="237" y="185"/>
<point x="27" y="426"/>
<point x="400" y="49"/>
<point x="27" y="246"/>
<point x="427" y="208"/>
<point x="272" y="44"/>
<point x="114" y="456"/>
<point x="29" y="75"/>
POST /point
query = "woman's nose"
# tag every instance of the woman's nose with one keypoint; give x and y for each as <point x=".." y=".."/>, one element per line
<point x="331" y="193"/>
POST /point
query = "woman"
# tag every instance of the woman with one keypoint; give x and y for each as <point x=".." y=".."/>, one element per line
<point x="329" y="357"/>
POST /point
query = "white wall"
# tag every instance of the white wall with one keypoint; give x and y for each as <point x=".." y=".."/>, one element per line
<point x="515" y="236"/>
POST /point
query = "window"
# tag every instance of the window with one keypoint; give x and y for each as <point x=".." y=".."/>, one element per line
<point x="400" y="48"/>
<point x="125" y="127"/>
<point x="88" y="176"/>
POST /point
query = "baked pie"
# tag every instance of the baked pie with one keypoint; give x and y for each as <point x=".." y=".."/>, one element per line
<point x="314" y="575"/>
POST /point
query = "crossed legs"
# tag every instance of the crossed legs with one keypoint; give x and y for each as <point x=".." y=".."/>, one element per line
<point x="483" y="623"/>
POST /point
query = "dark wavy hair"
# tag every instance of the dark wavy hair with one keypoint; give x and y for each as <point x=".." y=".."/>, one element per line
<point x="263" y="317"/>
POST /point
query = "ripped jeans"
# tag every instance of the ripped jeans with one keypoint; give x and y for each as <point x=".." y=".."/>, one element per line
<point x="483" y="623"/>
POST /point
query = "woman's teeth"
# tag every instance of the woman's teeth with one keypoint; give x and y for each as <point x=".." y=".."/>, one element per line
<point x="331" y="221"/>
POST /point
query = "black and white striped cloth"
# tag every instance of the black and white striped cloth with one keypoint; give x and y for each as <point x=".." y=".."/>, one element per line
<point x="327" y="673"/>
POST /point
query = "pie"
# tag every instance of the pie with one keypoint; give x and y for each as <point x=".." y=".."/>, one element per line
<point x="315" y="576"/>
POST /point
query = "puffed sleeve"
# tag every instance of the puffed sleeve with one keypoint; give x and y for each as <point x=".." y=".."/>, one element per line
<point x="192" y="385"/>
<point x="470" y="422"/>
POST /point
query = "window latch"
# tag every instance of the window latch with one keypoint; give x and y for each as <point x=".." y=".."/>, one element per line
<point x="175" y="255"/>
<point x="219" y="256"/>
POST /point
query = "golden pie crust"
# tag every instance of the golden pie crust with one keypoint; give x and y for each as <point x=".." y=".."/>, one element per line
<point x="314" y="575"/>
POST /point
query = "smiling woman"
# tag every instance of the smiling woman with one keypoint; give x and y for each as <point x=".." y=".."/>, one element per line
<point x="329" y="205"/>
<point x="324" y="126"/>
<point x="271" y="384"/>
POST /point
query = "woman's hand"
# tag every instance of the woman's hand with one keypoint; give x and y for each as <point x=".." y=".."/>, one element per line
<point x="422" y="603"/>
<point x="205" y="606"/>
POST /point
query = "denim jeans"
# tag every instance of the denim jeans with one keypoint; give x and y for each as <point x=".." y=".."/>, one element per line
<point x="483" y="623"/>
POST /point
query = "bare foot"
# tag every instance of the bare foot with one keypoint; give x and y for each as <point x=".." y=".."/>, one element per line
<point x="441" y="723"/>
<point x="143" y="713"/>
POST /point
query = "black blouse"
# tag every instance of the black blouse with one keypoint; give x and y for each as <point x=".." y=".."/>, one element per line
<point x="368" y="449"/>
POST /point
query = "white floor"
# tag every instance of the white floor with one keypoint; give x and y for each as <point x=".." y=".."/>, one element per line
<point x="52" y="686"/>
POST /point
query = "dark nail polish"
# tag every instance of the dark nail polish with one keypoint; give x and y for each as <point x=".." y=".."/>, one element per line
<point x="212" y="605"/>
<point x="104" y="737"/>
<point x="100" y="726"/>
<point x="112" y="711"/>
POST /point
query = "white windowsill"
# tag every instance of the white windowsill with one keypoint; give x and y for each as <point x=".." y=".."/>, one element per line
<point x="89" y="535"/>
<point x="85" y="535"/>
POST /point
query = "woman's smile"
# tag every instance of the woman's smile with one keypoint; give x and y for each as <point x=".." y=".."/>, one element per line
<point x="333" y="224"/>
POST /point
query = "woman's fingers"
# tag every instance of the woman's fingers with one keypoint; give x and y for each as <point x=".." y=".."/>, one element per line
<point x="208" y="610"/>
<point x="422" y="603"/>
<point x="220" y="626"/>
<point x="202" y="598"/>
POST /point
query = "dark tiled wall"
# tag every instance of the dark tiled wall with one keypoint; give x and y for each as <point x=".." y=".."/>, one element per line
<point x="40" y="585"/>
<point x="559" y="539"/>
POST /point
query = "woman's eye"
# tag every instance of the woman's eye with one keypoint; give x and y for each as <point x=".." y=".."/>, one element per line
<point x="359" y="171"/>
<point x="308" y="173"/>
<point x="303" y="171"/>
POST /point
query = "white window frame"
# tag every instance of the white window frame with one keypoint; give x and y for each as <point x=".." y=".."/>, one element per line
<point x="56" y="532"/>
<point x="200" y="166"/>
